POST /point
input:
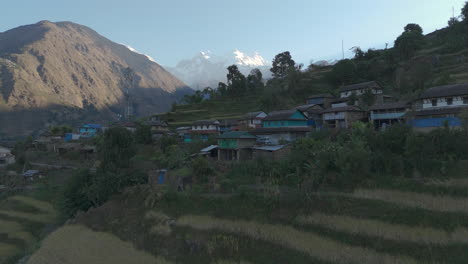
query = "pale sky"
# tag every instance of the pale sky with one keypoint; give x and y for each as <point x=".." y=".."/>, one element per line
<point x="172" y="30"/>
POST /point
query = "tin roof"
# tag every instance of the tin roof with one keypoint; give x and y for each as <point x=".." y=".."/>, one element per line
<point x="236" y="135"/>
<point x="359" y="86"/>
<point x="446" y="90"/>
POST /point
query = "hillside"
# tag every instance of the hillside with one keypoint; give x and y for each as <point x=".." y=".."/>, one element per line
<point x="369" y="225"/>
<point x="64" y="72"/>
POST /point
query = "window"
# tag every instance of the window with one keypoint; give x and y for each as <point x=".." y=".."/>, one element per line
<point x="449" y="101"/>
<point x="434" y="102"/>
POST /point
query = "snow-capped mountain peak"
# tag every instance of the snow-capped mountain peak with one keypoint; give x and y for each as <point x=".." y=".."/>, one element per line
<point x="206" y="54"/>
<point x="134" y="50"/>
<point x="251" y="61"/>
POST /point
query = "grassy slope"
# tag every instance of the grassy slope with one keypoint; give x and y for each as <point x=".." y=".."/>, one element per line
<point x="327" y="228"/>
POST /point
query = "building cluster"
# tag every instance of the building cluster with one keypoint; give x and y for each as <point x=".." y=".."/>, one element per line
<point x="260" y="134"/>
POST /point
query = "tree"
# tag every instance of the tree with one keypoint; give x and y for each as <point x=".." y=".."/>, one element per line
<point x="410" y="28"/>
<point x="143" y="134"/>
<point x="254" y="80"/>
<point x="358" y="53"/>
<point x="222" y="89"/>
<point x="344" y="72"/>
<point x="282" y="64"/>
<point x="464" y="12"/>
<point x="116" y="148"/>
<point x="237" y="82"/>
<point x="453" y="21"/>
<point x="409" y="41"/>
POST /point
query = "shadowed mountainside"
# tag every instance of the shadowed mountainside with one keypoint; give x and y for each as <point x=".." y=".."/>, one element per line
<point x="53" y="73"/>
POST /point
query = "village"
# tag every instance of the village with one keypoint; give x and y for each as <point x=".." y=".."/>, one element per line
<point x="261" y="135"/>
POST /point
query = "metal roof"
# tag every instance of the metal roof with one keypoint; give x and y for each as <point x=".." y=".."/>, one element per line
<point x="446" y="90"/>
<point x="349" y="108"/>
<point x="251" y="115"/>
<point x="282" y="115"/>
<point x="209" y="148"/>
<point x="391" y="105"/>
<point x="324" y="95"/>
<point x="237" y="134"/>
<point x="270" y="148"/>
<point x="359" y="86"/>
<point x="206" y="122"/>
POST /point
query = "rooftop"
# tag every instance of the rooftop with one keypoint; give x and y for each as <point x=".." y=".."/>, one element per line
<point x="324" y="95"/>
<point x="391" y="105"/>
<point x="251" y="115"/>
<point x="349" y="108"/>
<point x="306" y="107"/>
<point x="359" y="86"/>
<point x="446" y="90"/>
<point x="270" y="148"/>
<point x="205" y="122"/>
<point x="282" y="115"/>
<point x="237" y="135"/>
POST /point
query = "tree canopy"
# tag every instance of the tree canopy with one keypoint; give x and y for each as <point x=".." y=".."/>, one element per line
<point x="282" y="64"/>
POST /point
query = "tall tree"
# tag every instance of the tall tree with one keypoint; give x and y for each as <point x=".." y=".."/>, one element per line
<point x="409" y="41"/>
<point x="282" y="64"/>
<point x="116" y="148"/>
<point x="237" y="82"/>
<point x="222" y="89"/>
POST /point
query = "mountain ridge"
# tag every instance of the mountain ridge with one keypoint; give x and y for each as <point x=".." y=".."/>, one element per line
<point x="49" y="65"/>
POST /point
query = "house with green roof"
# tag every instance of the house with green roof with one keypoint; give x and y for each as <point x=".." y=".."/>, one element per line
<point x="235" y="145"/>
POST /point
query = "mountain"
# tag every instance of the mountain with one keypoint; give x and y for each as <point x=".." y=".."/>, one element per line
<point x="207" y="69"/>
<point x="53" y="73"/>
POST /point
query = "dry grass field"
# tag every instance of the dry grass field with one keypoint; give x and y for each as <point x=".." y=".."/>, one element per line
<point x="312" y="244"/>
<point x="384" y="230"/>
<point x="77" y="244"/>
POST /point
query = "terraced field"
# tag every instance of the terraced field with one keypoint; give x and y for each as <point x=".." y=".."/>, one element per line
<point x="22" y="220"/>
<point x="366" y="226"/>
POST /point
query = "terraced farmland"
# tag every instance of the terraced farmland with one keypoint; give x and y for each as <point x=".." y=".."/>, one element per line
<point x="22" y="220"/>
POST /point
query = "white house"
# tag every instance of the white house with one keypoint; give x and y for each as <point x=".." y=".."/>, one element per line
<point x="360" y="89"/>
<point x="253" y="119"/>
<point x="440" y="106"/>
<point x="205" y="126"/>
<point x="6" y="157"/>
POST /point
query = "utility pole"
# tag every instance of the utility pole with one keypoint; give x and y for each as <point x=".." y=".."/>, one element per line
<point x="342" y="47"/>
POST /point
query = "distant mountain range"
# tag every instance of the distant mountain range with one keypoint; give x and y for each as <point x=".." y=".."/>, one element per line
<point x="54" y="73"/>
<point x="207" y="69"/>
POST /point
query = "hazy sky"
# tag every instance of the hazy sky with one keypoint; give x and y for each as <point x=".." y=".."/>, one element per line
<point x="172" y="30"/>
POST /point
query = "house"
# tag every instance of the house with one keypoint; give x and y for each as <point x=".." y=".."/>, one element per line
<point x="227" y="125"/>
<point x="360" y="89"/>
<point x="72" y="137"/>
<point x="253" y="119"/>
<point x="343" y="117"/>
<point x="6" y="157"/>
<point x="235" y="145"/>
<point x="440" y="106"/>
<point x="340" y="102"/>
<point x="277" y="152"/>
<point x="320" y="99"/>
<point x="130" y="126"/>
<point x="48" y="141"/>
<point x="204" y="128"/>
<point x="282" y="126"/>
<point x="313" y="112"/>
<point x="210" y="152"/>
<point x="386" y="114"/>
<point x="285" y="118"/>
<point x="90" y="130"/>
<point x="184" y="134"/>
<point x="158" y="128"/>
